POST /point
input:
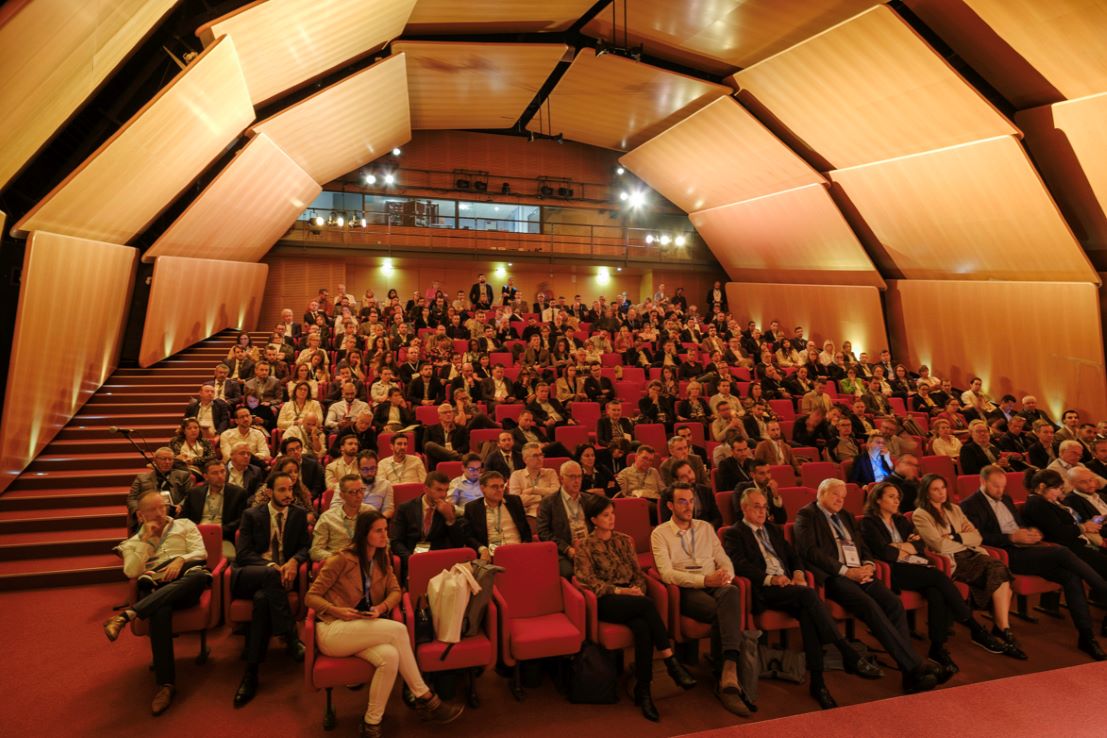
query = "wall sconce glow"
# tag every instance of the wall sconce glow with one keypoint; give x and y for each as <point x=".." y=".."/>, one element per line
<point x="620" y="171"/>
<point x="341" y="221"/>
<point x="390" y="179"/>
<point x="649" y="238"/>
<point x="386" y="267"/>
<point x="665" y="239"/>
<point x="680" y="240"/>
<point x="396" y="151"/>
<point x="501" y="272"/>
<point x="370" y="179"/>
<point x="624" y="196"/>
<point x="317" y="220"/>
<point x="636" y="199"/>
<point x="603" y="275"/>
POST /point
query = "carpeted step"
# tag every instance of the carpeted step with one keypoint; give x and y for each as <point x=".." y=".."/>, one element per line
<point x="64" y="518"/>
<point x="77" y="479"/>
<point x="60" y="544"/>
<point x="105" y="460"/>
<point x="171" y="417"/>
<point x="63" y="571"/>
<point x="24" y="501"/>
<point x="75" y="447"/>
<point x="145" y="429"/>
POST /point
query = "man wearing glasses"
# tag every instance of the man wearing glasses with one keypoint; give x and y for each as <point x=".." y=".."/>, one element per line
<point x="466" y="488"/>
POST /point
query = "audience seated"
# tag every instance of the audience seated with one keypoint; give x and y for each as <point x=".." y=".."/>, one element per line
<point x="427" y="523"/>
<point x="762" y="480"/>
<point x="213" y="415"/>
<point x="401" y="468"/>
<point x="561" y="517"/>
<point x="335" y="528"/>
<point x="487" y="525"/>
<point x="191" y="450"/>
<point x="641" y="479"/>
<point x="218" y="503"/>
<point x="704" y="506"/>
<point x="244" y="432"/>
<point x="504" y="457"/>
<point x="466" y="487"/>
<point x="173" y="485"/>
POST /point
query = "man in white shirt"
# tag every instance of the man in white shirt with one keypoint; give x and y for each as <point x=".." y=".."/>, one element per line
<point x="399" y="468"/>
<point x="1068" y="457"/>
<point x="379" y="390"/>
<point x="345" y="465"/>
<point x="244" y="432"/>
<point x="168" y="556"/>
<point x="641" y="479"/>
<point x="343" y="412"/>
<point x="687" y="553"/>
<point x="335" y="528"/>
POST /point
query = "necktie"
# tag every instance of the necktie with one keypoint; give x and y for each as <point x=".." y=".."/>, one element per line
<point x="277" y="544"/>
<point x="841" y="529"/>
<point x="428" y="519"/>
<point x="764" y="536"/>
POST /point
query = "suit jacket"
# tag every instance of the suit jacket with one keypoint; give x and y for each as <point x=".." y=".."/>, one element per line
<point x="488" y="391"/>
<point x="459" y="437"/>
<point x="521" y="440"/>
<point x="600" y="390"/>
<point x="877" y="403"/>
<point x="662" y="412"/>
<point x="476" y="521"/>
<point x="1013" y="443"/>
<point x="777" y="513"/>
<point x="1054" y="521"/>
<point x="251" y="478"/>
<point x="407" y="530"/>
<point x="815" y="541"/>
<point x="234" y="504"/>
<point x="863" y="473"/>
<point x="254" y="537"/>
<point x="979" y="512"/>
<point x="730" y="474"/>
<point x="220" y="414"/>
<point x="553" y="523"/>
<point x="605" y="430"/>
<point x="496" y="462"/>
<point x="480" y="293"/>
<point x="973" y="458"/>
<point x="232" y="391"/>
<point x="879" y="539"/>
<point x="380" y="415"/>
<point x="437" y="392"/>
<point x="1039" y="455"/>
<point x="245" y="369"/>
<point x="312" y="475"/>
<point x="745" y="555"/>
<point x="908" y="491"/>
<point x="1084" y="509"/>
<point x="541" y="416"/>
<point x="178" y="482"/>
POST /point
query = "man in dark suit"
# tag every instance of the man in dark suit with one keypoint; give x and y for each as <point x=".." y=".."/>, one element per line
<point x="760" y="553"/>
<point x="480" y="294"/>
<point x="273" y="543"/>
<point x="735" y="469"/>
<point x="173" y="484"/>
<point x="425" y="388"/>
<point x="505" y="458"/>
<point x="497" y="389"/>
<point x="994" y="514"/>
<point x="561" y="516"/>
<point x="761" y="478"/>
<point x="486" y="524"/>
<point x="393" y="414"/>
<point x="979" y="451"/>
<point x="209" y="410"/>
<point x="217" y="502"/>
<point x="445" y="441"/>
<point x="228" y="390"/>
<point x="613" y="425"/>
<point x="527" y="432"/>
<point x="1086" y="498"/>
<point x="598" y="387"/>
<point x="427" y="523"/>
<point x="548" y="411"/>
<point x="828" y="542"/>
<point x="1032" y="414"/>
<point x="1042" y="451"/>
<point x="1098" y="464"/>
<point x="311" y="471"/>
<point x="906" y="480"/>
<point x="703" y="503"/>
<point x="1045" y="511"/>
<point x="240" y="367"/>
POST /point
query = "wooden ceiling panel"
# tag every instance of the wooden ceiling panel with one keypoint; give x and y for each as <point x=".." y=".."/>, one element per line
<point x="348" y="124"/>
<point x="244" y="210"/>
<point x="285" y="43"/>
<point x="494" y="16"/>
<point x="975" y="211"/>
<point x="1066" y="140"/>
<point x="719" y="36"/>
<point x="720" y="154"/>
<point x="137" y="172"/>
<point x="1033" y="52"/>
<point x="54" y="54"/>
<point x="794" y="236"/>
<point x="870" y="89"/>
<point x="474" y="85"/>
<point x="618" y="103"/>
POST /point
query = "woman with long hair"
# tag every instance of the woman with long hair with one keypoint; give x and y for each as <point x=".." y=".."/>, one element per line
<point x="191" y="449"/>
<point x="598" y="477"/>
<point x="301" y="405"/>
<point x="892" y="539"/>
<point x="948" y="532"/>
<point x="302" y="373"/>
<point x="352" y="596"/>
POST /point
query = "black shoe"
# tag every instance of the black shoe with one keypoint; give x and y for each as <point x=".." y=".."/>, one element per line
<point x="247" y="688"/>
<point x="864" y="669"/>
<point x="1007" y="636"/>
<point x="644" y="700"/>
<point x="921" y="679"/>
<point x="947" y="666"/>
<point x="1090" y="646"/>
<point x="679" y="674"/>
<point x="988" y="642"/>
<point x="823" y="697"/>
<point x="1012" y="651"/>
<point x="295" y="648"/>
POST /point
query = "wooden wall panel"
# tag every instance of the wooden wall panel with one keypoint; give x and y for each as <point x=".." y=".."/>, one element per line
<point x="54" y="55"/>
<point x="826" y="312"/>
<point x="192" y="299"/>
<point x="619" y="103"/>
<point x="293" y="282"/>
<point x="1040" y="338"/>
<point x="796" y="236"/>
<point x="137" y="172"/>
<point x="870" y="89"/>
<point x="1033" y="52"/>
<point x="720" y="154"/>
<point x="1066" y="141"/>
<point x="57" y="362"/>
<point x="244" y="210"/>
<point x="474" y="85"/>
<point x="976" y="211"/>
<point x="285" y="43"/>
<point x="346" y="125"/>
<point x="720" y="37"/>
<point x="494" y="16"/>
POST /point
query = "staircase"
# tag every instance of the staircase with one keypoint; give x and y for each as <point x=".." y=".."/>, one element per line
<point x="60" y="519"/>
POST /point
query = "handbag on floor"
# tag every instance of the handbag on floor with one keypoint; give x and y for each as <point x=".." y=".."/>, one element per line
<point x="593" y="677"/>
<point x="783" y="664"/>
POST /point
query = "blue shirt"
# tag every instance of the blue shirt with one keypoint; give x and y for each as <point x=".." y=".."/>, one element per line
<point x="463" y="490"/>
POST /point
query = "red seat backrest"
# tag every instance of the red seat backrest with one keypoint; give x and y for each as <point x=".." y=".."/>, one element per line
<point x="586" y="413"/>
<point x="424" y="567"/>
<point x="784" y="475"/>
<point x="451" y="469"/>
<point x="554" y="462"/>
<point x="426" y="414"/>
<point x="504" y="411"/>
<point x="501" y="357"/>
<point x="814" y="472"/>
<point x="652" y="434"/>
<point x="698" y="437"/>
<point x="571" y="436"/>
<point x="725" y="502"/>
<point x="405" y="492"/>
<point x="530" y="581"/>
<point x="795" y="498"/>
<point x="632" y="516"/>
<point x="783" y="409"/>
<point x="855" y="499"/>
<point x="478" y="437"/>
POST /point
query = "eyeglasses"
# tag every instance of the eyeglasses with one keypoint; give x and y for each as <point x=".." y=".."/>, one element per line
<point x="759" y="508"/>
<point x="472" y="468"/>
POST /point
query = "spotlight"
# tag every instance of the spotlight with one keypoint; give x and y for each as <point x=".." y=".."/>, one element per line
<point x="618" y="269"/>
<point x="396" y="151"/>
<point x="505" y="189"/>
<point x="317" y="220"/>
<point x="624" y="196"/>
<point x="603" y="275"/>
<point x="564" y="192"/>
<point x="665" y="240"/>
<point x="480" y="186"/>
<point x="637" y="199"/>
<point x="390" y="179"/>
<point x="546" y="191"/>
<point x="463" y="206"/>
<point x="620" y="171"/>
<point x="501" y="272"/>
<point x="370" y="179"/>
<point x="649" y="238"/>
<point x="386" y="267"/>
<point x="462" y="184"/>
<point x="680" y="240"/>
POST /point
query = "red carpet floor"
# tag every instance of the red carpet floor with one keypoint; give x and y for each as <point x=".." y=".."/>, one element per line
<point x="62" y="677"/>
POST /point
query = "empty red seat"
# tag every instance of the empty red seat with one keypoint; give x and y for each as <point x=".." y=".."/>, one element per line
<point x="784" y="474"/>
<point x="426" y="414"/>
<point x="509" y="411"/>
<point x="587" y="414"/>
<point x="652" y="434"/>
<point x="632" y="516"/>
<point x="451" y="469"/>
<point x="571" y="436"/>
<point x="479" y="437"/>
<point x="814" y="472"/>
<point x="405" y="492"/>
<point x="783" y="409"/>
<point x="940" y="465"/>
<point x="795" y="498"/>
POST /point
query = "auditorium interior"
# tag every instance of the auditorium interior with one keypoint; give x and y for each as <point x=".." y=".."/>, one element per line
<point x="584" y="256"/>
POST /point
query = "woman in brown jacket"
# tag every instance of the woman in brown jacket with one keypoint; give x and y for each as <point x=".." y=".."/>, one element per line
<point x="352" y="597"/>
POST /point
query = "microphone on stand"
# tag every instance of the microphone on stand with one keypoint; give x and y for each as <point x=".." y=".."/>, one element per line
<point x="121" y="431"/>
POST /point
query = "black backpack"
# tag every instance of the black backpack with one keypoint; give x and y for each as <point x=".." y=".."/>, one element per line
<point x="592" y="677"/>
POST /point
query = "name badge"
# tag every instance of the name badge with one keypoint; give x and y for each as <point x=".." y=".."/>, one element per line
<point x="850" y="552"/>
<point x="692" y="566"/>
<point x="424" y="546"/>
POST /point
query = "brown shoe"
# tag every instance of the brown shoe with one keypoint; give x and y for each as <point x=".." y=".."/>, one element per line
<point x="733" y="702"/>
<point x="114" y="625"/>
<point x="728" y="682"/>
<point x="434" y="710"/>
<point x="162" y="699"/>
<point x="370" y="731"/>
